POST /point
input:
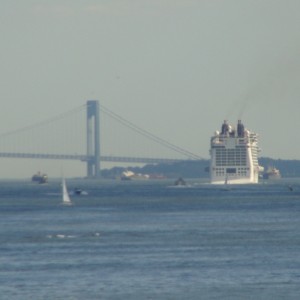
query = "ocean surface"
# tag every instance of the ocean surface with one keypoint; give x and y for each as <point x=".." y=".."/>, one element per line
<point x="149" y="240"/>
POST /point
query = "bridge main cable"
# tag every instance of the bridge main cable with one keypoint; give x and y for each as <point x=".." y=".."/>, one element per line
<point x="50" y="120"/>
<point x="149" y="135"/>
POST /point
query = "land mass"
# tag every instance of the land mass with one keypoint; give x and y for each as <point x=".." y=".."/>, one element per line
<point x="199" y="169"/>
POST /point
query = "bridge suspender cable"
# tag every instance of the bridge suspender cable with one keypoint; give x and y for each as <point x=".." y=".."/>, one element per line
<point x="149" y="135"/>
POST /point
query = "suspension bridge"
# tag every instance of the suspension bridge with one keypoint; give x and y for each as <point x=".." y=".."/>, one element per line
<point x="75" y="135"/>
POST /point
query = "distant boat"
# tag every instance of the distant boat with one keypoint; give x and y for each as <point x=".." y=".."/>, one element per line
<point x="226" y="180"/>
<point x="78" y="192"/>
<point x="40" y="178"/>
<point x="65" y="194"/>
<point x="226" y="187"/>
<point x="180" y="182"/>
<point x="129" y="175"/>
<point x="272" y="173"/>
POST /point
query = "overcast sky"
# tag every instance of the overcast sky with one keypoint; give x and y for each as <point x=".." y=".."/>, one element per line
<point x="176" y="68"/>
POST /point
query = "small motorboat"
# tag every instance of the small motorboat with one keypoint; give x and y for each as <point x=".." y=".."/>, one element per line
<point x="180" y="182"/>
<point x="79" y="192"/>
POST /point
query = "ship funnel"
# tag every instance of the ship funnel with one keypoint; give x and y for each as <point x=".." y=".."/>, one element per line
<point x="225" y="127"/>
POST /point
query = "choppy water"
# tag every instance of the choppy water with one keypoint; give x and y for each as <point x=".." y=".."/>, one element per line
<point x="144" y="240"/>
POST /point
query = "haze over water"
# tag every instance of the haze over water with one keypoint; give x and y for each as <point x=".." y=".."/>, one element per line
<point x="174" y="68"/>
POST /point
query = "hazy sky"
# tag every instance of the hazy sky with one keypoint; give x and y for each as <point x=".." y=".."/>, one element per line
<point x="177" y="68"/>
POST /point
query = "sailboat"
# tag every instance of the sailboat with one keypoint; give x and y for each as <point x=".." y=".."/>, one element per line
<point x="226" y="187"/>
<point x="65" y="194"/>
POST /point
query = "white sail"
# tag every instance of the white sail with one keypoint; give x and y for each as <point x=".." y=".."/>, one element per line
<point x="226" y="180"/>
<point x="226" y="187"/>
<point x="65" y="194"/>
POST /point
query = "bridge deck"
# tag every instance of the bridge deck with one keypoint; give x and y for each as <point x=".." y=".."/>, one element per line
<point x="87" y="158"/>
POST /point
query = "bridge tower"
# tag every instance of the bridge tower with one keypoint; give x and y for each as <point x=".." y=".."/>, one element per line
<point x="93" y="139"/>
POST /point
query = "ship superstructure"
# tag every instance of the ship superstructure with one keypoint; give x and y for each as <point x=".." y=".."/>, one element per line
<point x="234" y="155"/>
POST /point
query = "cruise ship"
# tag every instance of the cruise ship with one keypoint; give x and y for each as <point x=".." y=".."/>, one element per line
<point x="234" y="155"/>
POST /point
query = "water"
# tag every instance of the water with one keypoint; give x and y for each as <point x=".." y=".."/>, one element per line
<point x="145" y="240"/>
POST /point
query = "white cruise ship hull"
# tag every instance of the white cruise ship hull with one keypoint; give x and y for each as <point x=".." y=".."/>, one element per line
<point x="245" y="180"/>
<point x="234" y="156"/>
